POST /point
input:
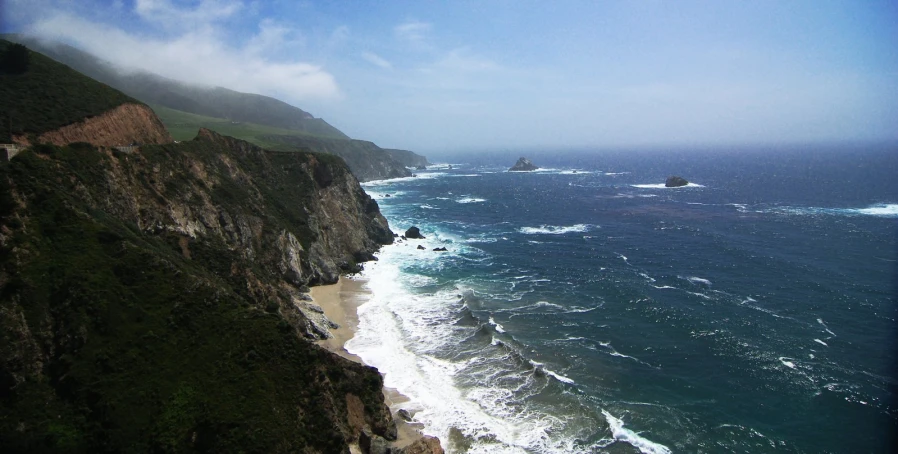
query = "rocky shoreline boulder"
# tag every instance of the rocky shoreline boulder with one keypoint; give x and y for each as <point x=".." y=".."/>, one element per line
<point x="523" y="165"/>
<point x="414" y="233"/>
<point x="675" y="182"/>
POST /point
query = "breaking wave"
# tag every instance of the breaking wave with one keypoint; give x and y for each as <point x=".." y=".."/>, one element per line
<point x="553" y="229"/>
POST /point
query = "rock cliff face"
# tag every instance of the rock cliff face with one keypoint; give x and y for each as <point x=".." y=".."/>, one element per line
<point x="366" y="160"/>
<point x="123" y="125"/>
<point x="155" y="301"/>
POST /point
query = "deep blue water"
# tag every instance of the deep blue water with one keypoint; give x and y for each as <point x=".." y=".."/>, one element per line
<point x="583" y="308"/>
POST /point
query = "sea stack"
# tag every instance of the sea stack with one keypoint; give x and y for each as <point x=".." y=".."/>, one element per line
<point x="675" y="182"/>
<point x="523" y="165"/>
<point x="414" y="233"/>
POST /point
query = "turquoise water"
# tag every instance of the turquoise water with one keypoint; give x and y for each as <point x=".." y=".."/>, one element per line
<point x="586" y="308"/>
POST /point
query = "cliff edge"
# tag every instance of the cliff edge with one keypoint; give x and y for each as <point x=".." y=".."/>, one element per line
<point x="155" y="301"/>
<point x="126" y="124"/>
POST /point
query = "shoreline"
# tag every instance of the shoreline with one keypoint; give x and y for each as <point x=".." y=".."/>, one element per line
<point x="340" y="303"/>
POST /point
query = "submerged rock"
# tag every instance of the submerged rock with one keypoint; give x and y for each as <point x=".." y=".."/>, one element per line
<point x="675" y="182"/>
<point x="414" y="233"/>
<point x="523" y="165"/>
<point x="440" y="249"/>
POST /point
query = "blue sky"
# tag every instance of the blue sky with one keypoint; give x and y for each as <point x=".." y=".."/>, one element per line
<point x="480" y="75"/>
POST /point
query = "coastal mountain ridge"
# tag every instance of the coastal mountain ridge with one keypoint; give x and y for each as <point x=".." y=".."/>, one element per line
<point x="209" y="101"/>
<point x="155" y="299"/>
<point x="262" y="120"/>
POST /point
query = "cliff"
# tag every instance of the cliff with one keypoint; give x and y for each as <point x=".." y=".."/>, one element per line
<point x="366" y="160"/>
<point x="407" y="158"/>
<point x="154" y="301"/>
<point x="122" y="125"/>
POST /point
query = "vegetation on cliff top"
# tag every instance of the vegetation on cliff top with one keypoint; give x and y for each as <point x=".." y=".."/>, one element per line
<point x="206" y="101"/>
<point x="121" y="338"/>
<point x="366" y="160"/>
<point x="49" y="95"/>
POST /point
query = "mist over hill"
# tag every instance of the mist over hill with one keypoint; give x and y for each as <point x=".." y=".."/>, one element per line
<point x="210" y="101"/>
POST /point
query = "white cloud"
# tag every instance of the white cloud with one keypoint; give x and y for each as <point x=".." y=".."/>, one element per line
<point x="377" y="60"/>
<point x="200" y="56"/>
<point x="166" y="13"/>
<point x="413" y="32"/>
<point x="272" y="37"/>
<point x="464" y="61"/>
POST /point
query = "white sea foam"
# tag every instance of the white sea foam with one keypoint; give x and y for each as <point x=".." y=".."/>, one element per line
<point x="821" y="342"/>
<point x="576" y="172"/>
<point x="498" y="327"/>
<point x="825" y="328"/>
<point x="428" y="207"/>
<point x="470" y="200"/>
<point x="786" y="362"/>
<point x="560" y="377"/>
<point x="662" y="186"/>
<point x="542" y="368"/>
<point x="696" y="280"/>
<point x="622" y="434"/>
<point x="554" y="229"/>
<point x="404" y="334"/>
<point x="883" y="210"/>
<point x="422" y="176"/>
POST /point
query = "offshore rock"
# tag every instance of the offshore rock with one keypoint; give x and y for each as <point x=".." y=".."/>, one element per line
<point x="675" y="182"/>
<point x="523" y="165"/>
<point x="414" y="233"/>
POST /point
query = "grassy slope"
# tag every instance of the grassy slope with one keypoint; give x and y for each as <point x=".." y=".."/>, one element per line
<point x="184" y="126"/>
<point x="148" y="351"/>
<point x="51" y="95"/>
<point x="215" y="102"/>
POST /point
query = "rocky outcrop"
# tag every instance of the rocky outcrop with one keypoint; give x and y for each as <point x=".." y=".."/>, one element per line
<point x="425" y="445"/>
<point x="675" y="182"/>
<point x="414" y="233"/>
<point x="523" y="165"/>
<point x="155" y="301"/>
<point x="124" y="125"/>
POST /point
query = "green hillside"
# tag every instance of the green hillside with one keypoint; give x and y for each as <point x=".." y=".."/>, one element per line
<point x="184" y="125"/>
<point x="49" y="95"/>
<point x="366" y="160"/>
<point x="207" y="101"/>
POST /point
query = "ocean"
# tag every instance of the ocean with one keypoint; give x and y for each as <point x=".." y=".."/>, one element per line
<point x="584" y="307"/>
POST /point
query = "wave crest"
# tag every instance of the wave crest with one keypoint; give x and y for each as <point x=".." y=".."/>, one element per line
<point x="553" y="229"/>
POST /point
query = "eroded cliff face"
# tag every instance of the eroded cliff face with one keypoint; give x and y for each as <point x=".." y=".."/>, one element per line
<point x="123" y="125"/>
<point x="156" y="300"/>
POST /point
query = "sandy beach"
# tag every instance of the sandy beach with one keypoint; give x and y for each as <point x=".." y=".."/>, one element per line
<point x="340" y="302"/>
